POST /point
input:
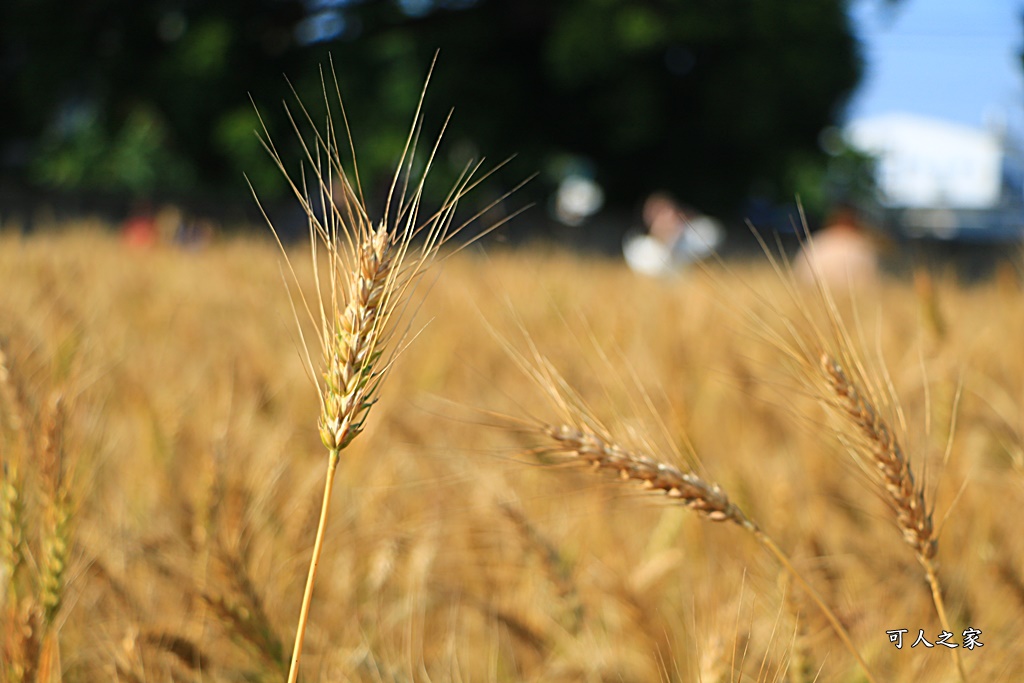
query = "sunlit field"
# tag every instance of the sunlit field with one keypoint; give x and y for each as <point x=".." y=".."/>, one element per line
<point x="164" y="471"/>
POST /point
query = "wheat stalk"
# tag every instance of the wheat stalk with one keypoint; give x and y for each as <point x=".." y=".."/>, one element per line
<point x="10" y="402"/>
<point x="581" y="437"/>
<point x="22" y="642"/>
<point x="351" y="343"/>
<point x="889" y="467"/>
<point x="12" y="504"/>
<point x="707" y="500"/>
<point x="372" y="272"/>
<point x="29" y="646"/>
<point x="58" y="511"/>
<point x="844" y="388"/>
<point x="584" y="444"/>
<point x="12" y="525"/>
<point x="58" y="538"/>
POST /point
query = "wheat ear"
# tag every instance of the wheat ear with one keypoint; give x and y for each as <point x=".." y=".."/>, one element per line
<point x="372" y="271"/>
<point x="587" y="445"/>
<point x="12" y="485"/>
<point x="22" y="634"/>
<point x="582" y="438"/>
<point x="363" y="262"/>
<point x="12" y="525"/>
<point x="891" y="471"/>
<point x="11" y="419"/>
<point x="890" y="466"/>
<point x="58" y="512"/>
<point x="845" y="391"/>
<point x="351" y="345"/>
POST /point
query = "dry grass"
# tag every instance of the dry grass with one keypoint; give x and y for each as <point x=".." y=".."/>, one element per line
<point x="197" y="476"/>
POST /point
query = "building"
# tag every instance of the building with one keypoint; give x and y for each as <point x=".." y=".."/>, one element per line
<point x="942" y="179"/>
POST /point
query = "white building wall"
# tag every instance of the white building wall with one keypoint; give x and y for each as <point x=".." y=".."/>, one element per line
<point x="926" y="163"/>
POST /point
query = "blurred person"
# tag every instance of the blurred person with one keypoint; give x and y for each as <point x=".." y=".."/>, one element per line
<point x="195" y="233"/>
<point x="841" y="253"/>
<point x="140" y="230"/>
<point x="169" y="222"/>
<point x="665" y="220"/>
<point x="676" y="235"/>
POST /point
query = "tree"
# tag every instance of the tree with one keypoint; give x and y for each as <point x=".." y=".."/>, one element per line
<point x="711" y="99"/>
<point x="138" y="98"/>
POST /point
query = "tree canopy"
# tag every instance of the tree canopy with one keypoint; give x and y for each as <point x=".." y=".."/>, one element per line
<point x="714" y="100"/>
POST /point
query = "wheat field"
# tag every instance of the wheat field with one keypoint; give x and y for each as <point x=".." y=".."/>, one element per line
<point x="163" y="473"/>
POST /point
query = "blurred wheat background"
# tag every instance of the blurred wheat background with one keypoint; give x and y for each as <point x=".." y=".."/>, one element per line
<point x="571" y="471"/>
<point x="190" y="470"/>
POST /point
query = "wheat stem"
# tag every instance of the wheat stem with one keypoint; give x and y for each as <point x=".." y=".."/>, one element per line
<point x="318" y="545"/>
<point x="940" y="608"/>
<point x="373" y="273"/>
<point x="892" y="472"/>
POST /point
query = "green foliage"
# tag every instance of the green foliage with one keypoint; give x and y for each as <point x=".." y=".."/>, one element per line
<point x="709" y="100"/>
<point x="706" y="99"/>
<point x="133" y="157"/>
<point x="845" y="176"/>
<point x="203" y="52"/>
<point x="235" y="137"/>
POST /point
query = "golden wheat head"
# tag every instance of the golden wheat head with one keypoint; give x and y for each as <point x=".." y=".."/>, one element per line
<point x="372" y="271"/>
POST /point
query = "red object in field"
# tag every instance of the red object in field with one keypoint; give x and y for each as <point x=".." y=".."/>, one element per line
<point x="139" y="231"/>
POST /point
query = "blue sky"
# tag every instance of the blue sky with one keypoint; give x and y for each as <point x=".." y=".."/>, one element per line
<point x="952" y="59"/>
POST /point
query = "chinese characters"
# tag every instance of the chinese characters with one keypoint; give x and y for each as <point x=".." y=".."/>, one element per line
<point x="971" y="639"/>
